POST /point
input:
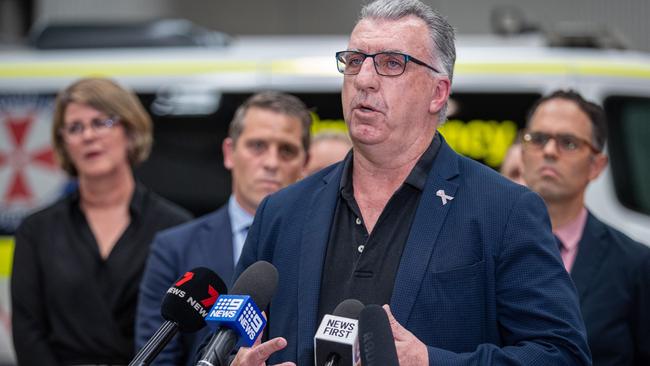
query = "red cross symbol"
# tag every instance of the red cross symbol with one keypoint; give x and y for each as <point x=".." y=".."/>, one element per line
<point x="19" y="156"/>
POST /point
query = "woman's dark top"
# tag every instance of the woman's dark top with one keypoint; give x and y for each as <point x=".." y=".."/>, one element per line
<point x="69" y="305"/>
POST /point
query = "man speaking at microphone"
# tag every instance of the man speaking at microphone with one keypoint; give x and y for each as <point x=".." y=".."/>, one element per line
<point x="465" y="258"/>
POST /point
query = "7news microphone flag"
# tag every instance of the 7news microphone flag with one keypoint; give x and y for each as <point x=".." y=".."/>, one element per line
<point x="184" y="308"/>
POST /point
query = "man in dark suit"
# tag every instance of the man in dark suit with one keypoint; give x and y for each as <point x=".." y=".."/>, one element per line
<point x="266" y="150"/>
<point x="465" y="258"/>
<point x="562" y="153"/>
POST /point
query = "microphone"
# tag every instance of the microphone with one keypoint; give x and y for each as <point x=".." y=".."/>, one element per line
<point x="336" y="341"/>
<point x="184" y="306"/>
<point x="237" y="318"/>
<point x="376" y="338"/>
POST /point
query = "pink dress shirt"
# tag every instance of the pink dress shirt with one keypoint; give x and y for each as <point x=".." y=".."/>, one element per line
<point x="570" y="235"/>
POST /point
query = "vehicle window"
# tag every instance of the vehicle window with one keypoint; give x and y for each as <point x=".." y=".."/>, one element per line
<point x="483" y="125"/>
<point x="629" y="150"/>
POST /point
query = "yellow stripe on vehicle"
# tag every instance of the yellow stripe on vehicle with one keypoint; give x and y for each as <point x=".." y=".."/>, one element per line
<point x="6" y="255"/>
<point x="74" y="69"/>
<point x="578" y="68"/>
<point x="306" y="66"/>
<point x="511" y="68"/>
<point x="314" y="66"/>
<point x="613" y="70"/>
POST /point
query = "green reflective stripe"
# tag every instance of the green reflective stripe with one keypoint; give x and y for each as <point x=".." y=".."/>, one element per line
<point x="6" y="255"/>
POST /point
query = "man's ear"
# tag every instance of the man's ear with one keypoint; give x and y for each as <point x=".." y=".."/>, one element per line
<point x="598" y="164"/>
<point x="227" y="147"/>
<point x="307" y="157"/>
<point x="440" y="94"/>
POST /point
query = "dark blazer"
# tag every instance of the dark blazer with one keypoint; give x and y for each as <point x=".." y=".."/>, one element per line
<point x="612" y="275"/>
<point x="480" y="280"/>
<point x="205" y="242"/>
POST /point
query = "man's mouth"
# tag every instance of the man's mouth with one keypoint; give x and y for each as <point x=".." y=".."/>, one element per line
<point x="365" y="108"/>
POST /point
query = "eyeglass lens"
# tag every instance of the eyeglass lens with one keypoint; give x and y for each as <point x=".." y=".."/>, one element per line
<point x="386" y="63"/>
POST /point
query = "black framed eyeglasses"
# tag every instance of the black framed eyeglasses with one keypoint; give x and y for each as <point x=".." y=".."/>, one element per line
<point x="386" y="63"/>
<point x="98" y="125"/>
<point x="565" y="142"/>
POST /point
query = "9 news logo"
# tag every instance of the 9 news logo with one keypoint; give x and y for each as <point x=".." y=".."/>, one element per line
<point x="237" y="312"/>
<point x="251" y="322"/>
<point x="226" y="307"/>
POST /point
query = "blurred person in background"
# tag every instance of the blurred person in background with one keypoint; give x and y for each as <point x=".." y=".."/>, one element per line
<point x="562" y="153"/>
<point x="266" y="150"/>
<point x="327" y="148"/>
<point x="78" y="263"/>
<point x="512" y="165"/>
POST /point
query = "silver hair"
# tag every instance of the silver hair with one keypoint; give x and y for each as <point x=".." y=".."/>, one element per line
<point x="442" y="34"/>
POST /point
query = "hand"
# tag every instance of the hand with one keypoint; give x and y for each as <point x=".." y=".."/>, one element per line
<point x="260" y="352"/>
<point x="410" y="351"/>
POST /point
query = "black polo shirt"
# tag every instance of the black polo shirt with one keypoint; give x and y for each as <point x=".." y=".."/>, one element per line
<point x="362" y="266"/>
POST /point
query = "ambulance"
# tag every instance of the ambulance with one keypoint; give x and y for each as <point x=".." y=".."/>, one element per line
<point x="192" y="84"/>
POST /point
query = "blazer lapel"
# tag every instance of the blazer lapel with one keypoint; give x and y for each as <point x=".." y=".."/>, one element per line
<point x="591" y="251"/>
<point x="429" y="218"/>
<point x="216" y="243"/>
<point x="315" y="235"/>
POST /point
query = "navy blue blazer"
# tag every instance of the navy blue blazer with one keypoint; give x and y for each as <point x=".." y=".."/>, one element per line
<point x="612" y="275"/>
<point x="480" y="280"/>
<point x="204" y="242"/>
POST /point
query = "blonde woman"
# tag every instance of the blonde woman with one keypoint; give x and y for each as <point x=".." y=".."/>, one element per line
<point x="78" y="263"/>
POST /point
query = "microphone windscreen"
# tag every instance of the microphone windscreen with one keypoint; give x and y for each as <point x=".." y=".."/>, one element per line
<point x="259" y="281"/>
<point x="376" y="338"/>
<point x="349" y="308"/>
<point x="188" y="301"/>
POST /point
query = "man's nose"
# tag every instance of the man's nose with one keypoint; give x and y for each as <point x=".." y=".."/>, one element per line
<point x="367" y="76"/>
<point x="551" y="148"/>
<point x="272" y="158"/>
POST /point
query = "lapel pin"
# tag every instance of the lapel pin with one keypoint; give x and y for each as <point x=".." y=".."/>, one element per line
<point x="443" y="196"/>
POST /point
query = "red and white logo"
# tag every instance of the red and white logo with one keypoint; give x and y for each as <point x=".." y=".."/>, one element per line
<point x="29" y="175"/>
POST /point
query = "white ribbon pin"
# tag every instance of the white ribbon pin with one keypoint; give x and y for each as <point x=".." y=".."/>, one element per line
<point x="443" y="196"/>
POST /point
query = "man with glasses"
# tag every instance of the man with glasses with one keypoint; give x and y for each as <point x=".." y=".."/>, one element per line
<point x="465" y="258"/>
<point x="562" y="153"/>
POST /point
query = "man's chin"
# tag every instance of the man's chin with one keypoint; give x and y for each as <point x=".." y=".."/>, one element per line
<point x="266" y="190"/>
<point x="366" y="135"/>
<point x="551" y="194"/>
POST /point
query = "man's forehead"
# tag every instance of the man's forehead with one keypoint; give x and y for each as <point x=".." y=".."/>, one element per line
<point x="561" y="115"/>
<point x="374" y="35"/>
<point x="259" y="121"/>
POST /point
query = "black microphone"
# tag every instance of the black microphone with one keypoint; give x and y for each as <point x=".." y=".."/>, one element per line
<point x="336" y="340"/>
<point x="376" y="338"/>
<point x="237" y="317"/>
<point x="184" y="308"/>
